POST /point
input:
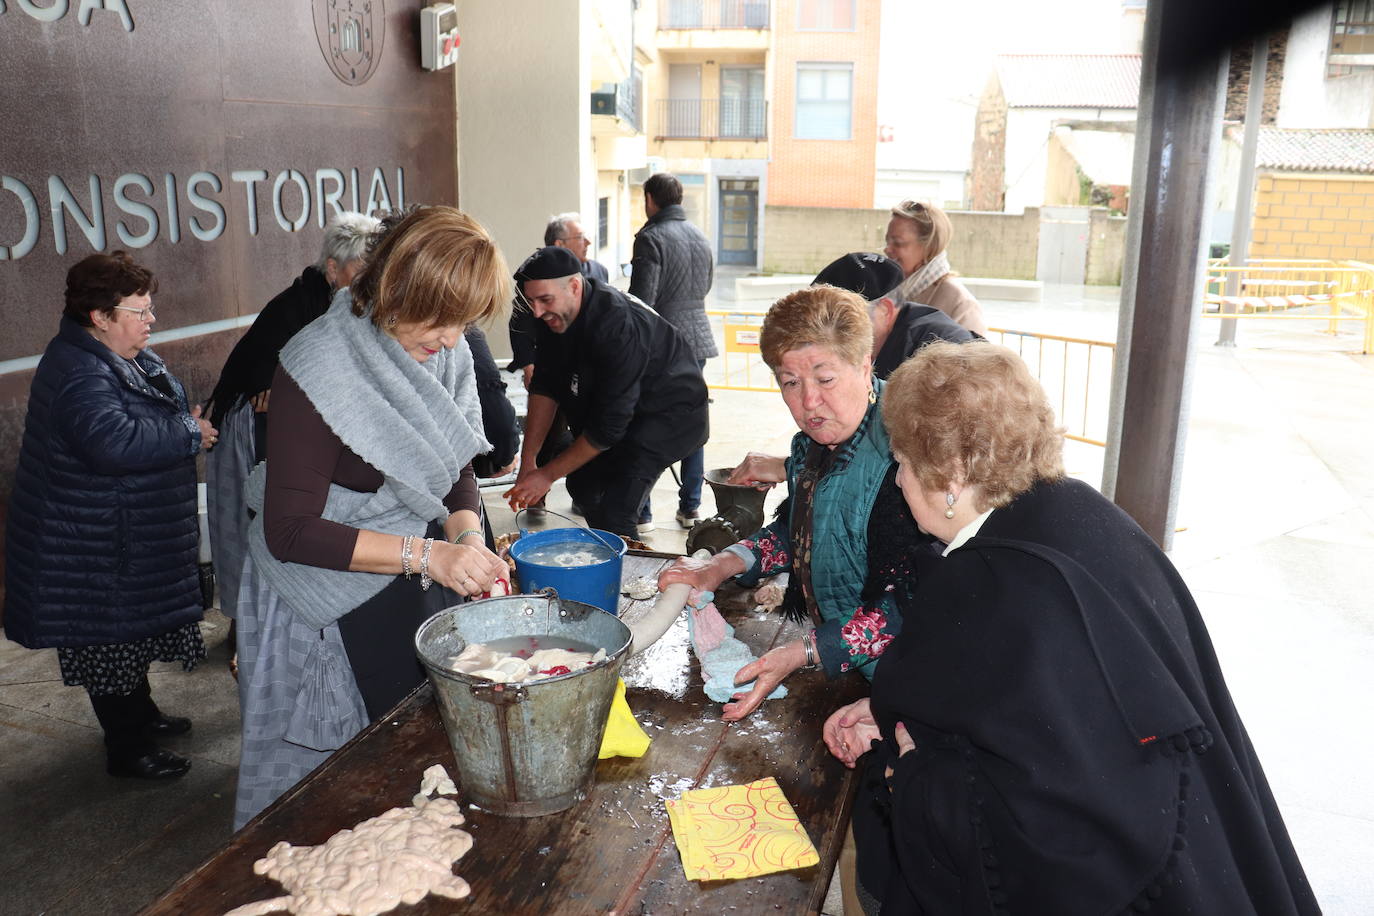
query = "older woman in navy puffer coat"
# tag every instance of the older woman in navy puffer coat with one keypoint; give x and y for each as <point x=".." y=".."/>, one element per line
<point x="101" y="543"/>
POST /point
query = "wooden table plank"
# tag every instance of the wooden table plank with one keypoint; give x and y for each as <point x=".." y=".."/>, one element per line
<point x="613" y="852"/>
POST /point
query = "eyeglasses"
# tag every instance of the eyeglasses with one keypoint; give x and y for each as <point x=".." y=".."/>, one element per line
<point x="144" y="314"/>
<point x="574" y="238"/>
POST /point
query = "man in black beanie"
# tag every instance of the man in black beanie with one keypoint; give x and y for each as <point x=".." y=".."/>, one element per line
<point x="899" y="328"/>
<point x="627" y="382"/>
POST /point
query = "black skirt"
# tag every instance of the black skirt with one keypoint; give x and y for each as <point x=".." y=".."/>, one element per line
<point x="119" y="668"/>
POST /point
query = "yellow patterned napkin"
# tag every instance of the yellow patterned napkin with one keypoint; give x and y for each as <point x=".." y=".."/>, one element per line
<point x="739" y="832"/>
<point x="623" y="736"/>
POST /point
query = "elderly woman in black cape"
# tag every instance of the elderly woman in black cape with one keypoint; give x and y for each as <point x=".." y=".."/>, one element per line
<point x="368" y="512"/>
<point x="1054" y="733"/>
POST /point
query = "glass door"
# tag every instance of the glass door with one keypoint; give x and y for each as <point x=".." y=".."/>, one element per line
<point x="739" y="221"/>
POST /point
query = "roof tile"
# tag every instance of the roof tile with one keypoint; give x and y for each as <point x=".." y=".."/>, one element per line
<point x="1070" y="80"/>
<point x="1316" y="150"/>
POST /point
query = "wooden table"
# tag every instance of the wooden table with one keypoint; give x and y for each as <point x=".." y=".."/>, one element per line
<point x="614" y="852"/>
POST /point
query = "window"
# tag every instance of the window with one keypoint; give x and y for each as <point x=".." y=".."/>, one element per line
<point x="825" y="15"/>
<point x="823" y="101"/>
<point x="603" y="222"/>
<point x="743" y="111"/>
<point x="1352" y="37"/>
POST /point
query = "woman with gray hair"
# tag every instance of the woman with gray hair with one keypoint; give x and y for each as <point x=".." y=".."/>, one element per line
<point x="239" y="401"/>
<point x="917" y="236"/>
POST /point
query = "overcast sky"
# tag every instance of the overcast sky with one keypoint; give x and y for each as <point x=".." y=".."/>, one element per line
<point x="936" y="57"/>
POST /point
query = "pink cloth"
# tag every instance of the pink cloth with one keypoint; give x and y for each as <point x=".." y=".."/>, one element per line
<point x="708" y="627"/>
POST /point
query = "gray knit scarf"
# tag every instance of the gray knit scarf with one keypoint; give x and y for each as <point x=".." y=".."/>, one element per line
<point x="923" y="278"/>
<point x="417" y="423"/>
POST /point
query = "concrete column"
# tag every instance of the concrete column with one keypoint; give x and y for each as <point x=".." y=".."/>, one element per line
<point x="524" y="121"/>
<point x="1180" y="105"/>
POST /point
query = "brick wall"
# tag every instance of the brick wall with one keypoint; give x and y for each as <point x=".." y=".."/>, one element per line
<point x="824" y="173"/>
<point x="1326" y="217"/>
<point x="987" y="179"/>
<point x="804" y="239"/>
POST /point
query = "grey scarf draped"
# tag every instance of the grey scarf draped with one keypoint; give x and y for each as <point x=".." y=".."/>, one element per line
<point x="417" y="423"/>
<point x="913" y="288"/>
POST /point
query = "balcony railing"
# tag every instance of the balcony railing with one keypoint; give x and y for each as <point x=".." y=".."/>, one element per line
<point x="712" y="119"/>
<point x="713" y="14"/>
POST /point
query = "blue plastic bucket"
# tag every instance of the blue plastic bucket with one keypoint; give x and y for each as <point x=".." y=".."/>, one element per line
<point x="597" y="584"/>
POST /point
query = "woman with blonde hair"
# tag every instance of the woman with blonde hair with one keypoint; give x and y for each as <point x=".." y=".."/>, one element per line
<point x="366" y="500"/>
<point x="918" y="235"/>
<point x="844" y="530"/>
<point x="1052" y="733"/>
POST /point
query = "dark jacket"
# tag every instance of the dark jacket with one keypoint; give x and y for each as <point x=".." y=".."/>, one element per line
<point x="916" y="326"/>
<point x="624" y="377"/>
<point x="253" y="360"/>
<point x="671" y="274"/>
<point x="498" y="415"/>
<point x="1077" y="749"/>
<point x="596" y="270"/>
<point x="102" y="535"/>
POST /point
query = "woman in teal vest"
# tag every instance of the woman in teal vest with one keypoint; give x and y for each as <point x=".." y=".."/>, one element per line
<point x="844" y="532"/>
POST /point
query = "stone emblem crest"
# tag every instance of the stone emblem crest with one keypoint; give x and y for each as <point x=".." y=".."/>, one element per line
<point x="351" y="34"/>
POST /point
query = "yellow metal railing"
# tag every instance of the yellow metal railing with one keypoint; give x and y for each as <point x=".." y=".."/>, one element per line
<point x="1332" y="292"/>
<point x="1075" y="373"/>
<point x="741" y="366"/>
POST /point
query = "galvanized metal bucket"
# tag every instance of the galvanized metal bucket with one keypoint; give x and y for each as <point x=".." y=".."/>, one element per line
<point x="524" y="749"/>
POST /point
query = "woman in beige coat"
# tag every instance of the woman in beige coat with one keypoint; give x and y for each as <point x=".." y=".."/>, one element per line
<point x="917" y="236"/>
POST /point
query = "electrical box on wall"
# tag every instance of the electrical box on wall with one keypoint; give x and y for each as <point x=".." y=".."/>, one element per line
<point x="439" y="36"/>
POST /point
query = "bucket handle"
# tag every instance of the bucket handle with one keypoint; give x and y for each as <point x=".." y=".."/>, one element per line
<point x="615" y="545"/>
<point x="499" y="694"/>
<point x="565" y="613"/>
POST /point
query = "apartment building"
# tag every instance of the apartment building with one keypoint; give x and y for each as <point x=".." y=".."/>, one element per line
<point x="709" y="123"/>
<point x="825" y="103"/>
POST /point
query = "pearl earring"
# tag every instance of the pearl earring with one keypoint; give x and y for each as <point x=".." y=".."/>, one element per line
<point x="949" y="502"/>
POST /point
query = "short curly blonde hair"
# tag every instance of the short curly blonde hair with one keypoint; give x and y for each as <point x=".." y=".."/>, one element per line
<point x="821" y="316"/>
<point x="972" y="408"/>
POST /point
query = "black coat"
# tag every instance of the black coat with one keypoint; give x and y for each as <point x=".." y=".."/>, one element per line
<point x="102" y="534"/>
<point x="498" y="415"/>
<point x="253" y="361"/>
<point x="625" y="378"/>
<point x="672" y="273"/>
<point x="916" y="326"/>
<point x="1077" y="750"/>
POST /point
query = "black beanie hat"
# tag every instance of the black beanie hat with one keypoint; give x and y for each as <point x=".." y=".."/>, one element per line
<point x="549" y="263"/>
<point x="870" y="275"/>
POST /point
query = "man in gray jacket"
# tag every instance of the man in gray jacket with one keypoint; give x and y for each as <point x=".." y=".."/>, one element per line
<point x="671" y="273"/>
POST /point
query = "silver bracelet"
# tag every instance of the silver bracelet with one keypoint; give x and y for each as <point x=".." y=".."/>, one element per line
<point x="809" y="644"/>
<point x="406" y="543"/>
<point x="425" y="580"/>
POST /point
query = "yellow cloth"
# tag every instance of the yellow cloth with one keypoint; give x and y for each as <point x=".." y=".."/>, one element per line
<point x="623" y="737"/>
<point x="739" y="832"/>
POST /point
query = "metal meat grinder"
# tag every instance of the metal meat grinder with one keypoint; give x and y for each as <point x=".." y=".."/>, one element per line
<point x="739" y="513"/>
